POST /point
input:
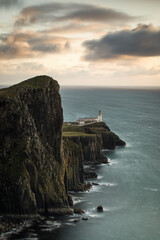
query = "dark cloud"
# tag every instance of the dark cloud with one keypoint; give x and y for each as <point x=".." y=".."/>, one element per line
<point x="30" y="44"/>
<point x="144" y="41"/>
<point x="54" y="48"/>
<point x="9" y="3"/>
<point x="70" y="28"/>
<point x="97" y="14"/>
<point x="53" y="12"/>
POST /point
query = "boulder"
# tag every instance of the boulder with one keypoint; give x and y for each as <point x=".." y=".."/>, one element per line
<point x="78" y="211"/>
<point x="76" y="220"/>
<point x="89" y="174"/>
<point x="100" y="208"/>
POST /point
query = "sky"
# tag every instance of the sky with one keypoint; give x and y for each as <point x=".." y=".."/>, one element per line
<point x="87" y="42"/>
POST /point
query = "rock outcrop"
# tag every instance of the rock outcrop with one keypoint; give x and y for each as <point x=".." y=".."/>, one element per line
<point x="92" y="139"/>
<point x="109" y="139"/>
<point x="91" y="146"/>
<point x="74" y="172"/>
<point x="32" y="167"/>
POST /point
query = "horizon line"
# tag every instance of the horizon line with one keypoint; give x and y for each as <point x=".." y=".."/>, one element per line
<point x="111" y="86"/>
<point x="96" y="86"/>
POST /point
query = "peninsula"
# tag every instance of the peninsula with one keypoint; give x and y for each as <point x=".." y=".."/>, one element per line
<point x="41" y="158"/>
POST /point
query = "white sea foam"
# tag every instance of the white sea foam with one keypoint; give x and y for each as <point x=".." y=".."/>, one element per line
<point x="95" y="188"/>
<point x="107" y="150"/>
<point x="128" y="145"/>
<point x="77" y="200"/>
<point x="93" y="215"/>
<point x="50" y="225"/>
<point x="86" y="166"/>
<point x="100" y="177"/>
<point x="93" y="212"/>
<point x="104" y="164"/>
<point x="108" y="184"/>
<point x="151" y="189"/>
<point x="113" y="162"/>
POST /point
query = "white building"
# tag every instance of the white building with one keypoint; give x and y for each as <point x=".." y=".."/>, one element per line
<point x="82" y="121"/>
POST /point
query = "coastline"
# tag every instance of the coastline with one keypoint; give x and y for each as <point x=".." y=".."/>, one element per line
<point x="15" y="225"/>
<point x="42" y="170"/>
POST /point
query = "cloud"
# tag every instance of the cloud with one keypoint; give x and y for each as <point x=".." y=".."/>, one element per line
<point x="72" y="28"/>
<point x="56" y="12"/>
<point x="9" y="3"/>
<point x="142" y="41"/>
<point x="30" y="44"/>
<point x="97" y="14"/>
<point x="31" y="67"/>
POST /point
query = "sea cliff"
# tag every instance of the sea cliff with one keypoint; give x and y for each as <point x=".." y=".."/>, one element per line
<point x="41" y="158"/>
<point x="92" y="138"/>
<point x="31" y="149"/>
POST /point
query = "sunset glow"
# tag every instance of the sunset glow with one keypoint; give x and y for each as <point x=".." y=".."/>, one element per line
<point x="110" y="43"/>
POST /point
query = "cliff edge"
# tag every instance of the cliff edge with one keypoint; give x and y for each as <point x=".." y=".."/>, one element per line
<point x="41" y="158"/>
<point x="92" y="138"/>
<point x="32" y="166"/>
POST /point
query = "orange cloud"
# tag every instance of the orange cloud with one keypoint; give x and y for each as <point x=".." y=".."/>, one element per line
<point x="30" y="44"/>
<point x="56" y="12"/>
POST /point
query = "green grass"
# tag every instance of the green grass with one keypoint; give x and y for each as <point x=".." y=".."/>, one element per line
<point x="86" y="130"/>
<point x="68" y="128"/>
<point x="77" y="134"/>
<point x="36" y="82"/>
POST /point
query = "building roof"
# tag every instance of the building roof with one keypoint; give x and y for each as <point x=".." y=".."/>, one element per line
<point x="86" y="118"/>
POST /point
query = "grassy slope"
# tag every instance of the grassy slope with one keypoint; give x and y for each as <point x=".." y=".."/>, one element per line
<point x="36" y="82"/>
<point x="87" y="130"/>
<point x="72" y="134"/>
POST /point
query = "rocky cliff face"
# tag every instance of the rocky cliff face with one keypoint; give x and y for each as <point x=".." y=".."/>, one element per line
<point x="31" y="164"/>
<point x="91" y="147"/>
<point x="37" y="165"/>
<point x="92" y="139"/>
<point x="74" y="172"/>
<point x="109" y="139"/>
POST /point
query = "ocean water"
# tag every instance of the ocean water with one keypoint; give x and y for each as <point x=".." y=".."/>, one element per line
<point x="129" y="188"/>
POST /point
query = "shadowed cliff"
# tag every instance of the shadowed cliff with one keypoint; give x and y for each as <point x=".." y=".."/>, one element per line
<point x="31" y="163"/>
<point x="37" y="165"/>
<point x="92" y="138"/>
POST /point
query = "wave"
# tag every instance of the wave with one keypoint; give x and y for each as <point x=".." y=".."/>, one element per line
<point x="151" y="189"/>
<point x="108" y="150"/>
<point x="77" y="200"/>
<point x="100" y="177"/>
<point x="94" y="214"/>
<point x="108" y="184"/>
<point x="95" y="188"/>
<point x="50" y="226"/>
<point x="128" y="145"/>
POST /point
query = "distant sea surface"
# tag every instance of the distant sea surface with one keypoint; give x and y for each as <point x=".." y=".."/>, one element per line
<point x="129" y="189"/>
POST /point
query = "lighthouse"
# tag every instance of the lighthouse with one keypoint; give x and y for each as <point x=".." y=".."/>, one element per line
<point x="100" y="117"/>
<point x="89" y="120"/>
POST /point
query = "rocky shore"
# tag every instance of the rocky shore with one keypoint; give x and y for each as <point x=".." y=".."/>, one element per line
<point x="10" y="225"/>
<point x="42" y="158"/>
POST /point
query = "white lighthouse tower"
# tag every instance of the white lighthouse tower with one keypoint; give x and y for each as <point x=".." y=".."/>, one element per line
<point x="100" y="117"/>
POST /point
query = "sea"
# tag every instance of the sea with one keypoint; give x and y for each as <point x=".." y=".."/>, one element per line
<point x="129" y="187"/>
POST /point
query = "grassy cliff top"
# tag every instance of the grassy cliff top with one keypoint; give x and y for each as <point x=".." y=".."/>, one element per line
<point x="35" y="82"/>
<point x="86" y="130"/>
<point x="77" y="134"/>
